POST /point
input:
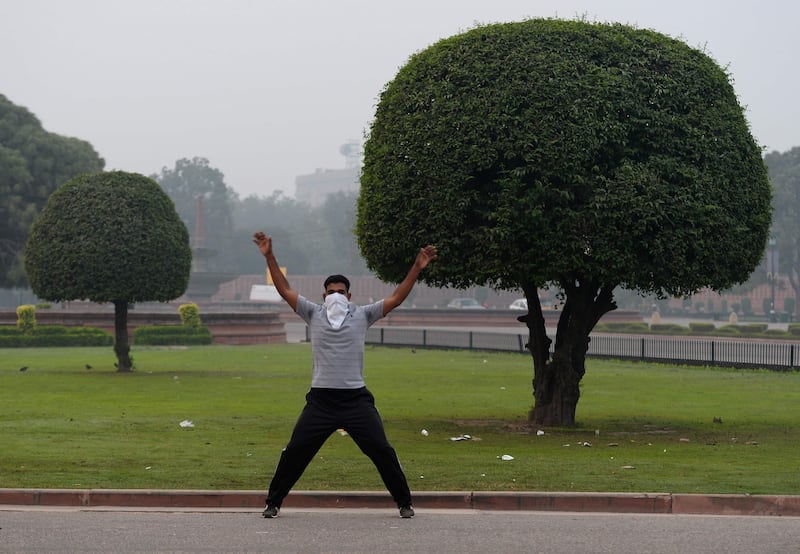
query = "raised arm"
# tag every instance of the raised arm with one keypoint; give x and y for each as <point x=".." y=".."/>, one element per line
<point x="264" y="244"/>
<point x="425" y="256"/>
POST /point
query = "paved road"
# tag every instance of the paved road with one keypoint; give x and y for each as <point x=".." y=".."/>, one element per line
<point x="374" y="531"/>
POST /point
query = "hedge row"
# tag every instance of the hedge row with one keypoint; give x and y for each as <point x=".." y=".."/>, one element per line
<point x="159" y="335"/>
<point x="749" y="330"/>
<point x="55" y="335"/>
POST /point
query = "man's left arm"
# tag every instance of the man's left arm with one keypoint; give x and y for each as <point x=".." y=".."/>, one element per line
<point x="425" y="256"/>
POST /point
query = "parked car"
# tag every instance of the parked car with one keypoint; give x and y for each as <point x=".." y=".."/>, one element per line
<point x="519" y="304"/>
<point x="465" y="304"/>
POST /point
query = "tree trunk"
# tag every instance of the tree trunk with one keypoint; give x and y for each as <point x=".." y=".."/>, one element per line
<point x="121" y="347"/>
<point x="556" y="381"/>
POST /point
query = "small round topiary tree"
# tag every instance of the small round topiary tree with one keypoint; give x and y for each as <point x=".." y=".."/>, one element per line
<point x="109" y="237"/>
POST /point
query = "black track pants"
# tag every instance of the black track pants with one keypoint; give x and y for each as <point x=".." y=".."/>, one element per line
<point x="327" y="410"/>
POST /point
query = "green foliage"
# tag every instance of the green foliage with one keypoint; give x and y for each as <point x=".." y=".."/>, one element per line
<point x="309" y="240"/>
<point x="794" y="329"/>
<point x="190" y="315"/>
<point x="784" y="173"/>
<point x="185" y="184"/>
<point x="171" y="335"/>
<point x="776" y="333"/>
<point x="109" y="237"/>
<point x="54" y="335"/>
<point x="26" y="318"/>
<point x="637" y="327"/>
<point x="701" y="327"/>
<point x="668" y="329"/>
<point x="536" y="150"/>
<point x="33" y="162"/>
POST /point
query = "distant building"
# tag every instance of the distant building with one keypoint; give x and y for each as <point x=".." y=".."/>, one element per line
<point x="314" y="188"/>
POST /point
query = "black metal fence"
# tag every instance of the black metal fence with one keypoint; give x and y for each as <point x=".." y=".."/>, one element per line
<point x="777" y="355"/>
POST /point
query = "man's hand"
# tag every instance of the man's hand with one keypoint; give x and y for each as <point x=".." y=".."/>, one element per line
<point x="263" y="242"/>
<point x="426" y="255"/>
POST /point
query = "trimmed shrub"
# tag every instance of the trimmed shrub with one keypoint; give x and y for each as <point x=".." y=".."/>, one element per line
<point x="626" y="327"/>
<point x="794" y="329"/>
<point x="669" y="329"/>
<point x="161" y="335"/>
<point x="732" y="330"/>
<point x="190" y="315"/>
<point x="754" y="327"/>
<point x="701" y="327"/>
<point x="26" y="318"/>
<point x="776" y="333"/>
<point x="55" y="335"/>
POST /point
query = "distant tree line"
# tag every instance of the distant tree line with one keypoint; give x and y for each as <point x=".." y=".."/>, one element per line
<point x="310" y="240"/>
<point x="33" y="164"/>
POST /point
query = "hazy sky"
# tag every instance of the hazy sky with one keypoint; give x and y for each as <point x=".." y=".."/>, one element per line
<point x="270" y="90"/>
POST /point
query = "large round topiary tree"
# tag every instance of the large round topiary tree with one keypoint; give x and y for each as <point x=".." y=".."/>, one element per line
<point x="568" y="154"/>
<point x="109" y="237"/>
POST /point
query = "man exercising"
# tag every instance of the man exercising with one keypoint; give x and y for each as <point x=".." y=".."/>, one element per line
<point x="338" y="398"/>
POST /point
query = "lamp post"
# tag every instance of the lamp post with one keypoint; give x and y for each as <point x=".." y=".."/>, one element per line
<point x="772" y="276"/>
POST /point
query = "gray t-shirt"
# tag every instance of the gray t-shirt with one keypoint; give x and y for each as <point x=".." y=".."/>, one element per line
<point x="338" y="354"/>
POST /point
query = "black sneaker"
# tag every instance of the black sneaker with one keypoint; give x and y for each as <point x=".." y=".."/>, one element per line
<point x="271" y="511"/>
<point x="406" y="511"/>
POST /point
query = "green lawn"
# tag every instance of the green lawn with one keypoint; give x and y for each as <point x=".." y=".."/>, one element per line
<point x="651" y="428"/>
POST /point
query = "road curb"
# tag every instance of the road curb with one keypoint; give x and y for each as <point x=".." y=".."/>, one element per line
<point x="645" y="503"/>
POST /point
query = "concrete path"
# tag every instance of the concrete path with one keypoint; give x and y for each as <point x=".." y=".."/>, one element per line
<point x="350" y="530"/>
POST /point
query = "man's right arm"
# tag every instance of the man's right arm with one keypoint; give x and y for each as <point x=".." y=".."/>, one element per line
<point x="264" y="244"/>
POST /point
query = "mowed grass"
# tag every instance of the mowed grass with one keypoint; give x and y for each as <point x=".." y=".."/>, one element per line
<point x="641" y="427"/>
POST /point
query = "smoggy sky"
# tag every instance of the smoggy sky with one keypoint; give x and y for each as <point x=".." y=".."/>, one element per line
<point x="269" y="90"/>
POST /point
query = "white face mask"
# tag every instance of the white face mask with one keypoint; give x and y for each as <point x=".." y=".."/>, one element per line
<point x="336" y="306"/>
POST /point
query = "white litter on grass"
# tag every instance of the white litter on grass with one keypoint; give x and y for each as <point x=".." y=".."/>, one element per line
<point x="424" y="432"/>
<point x="506" y="457"/>
<point x="186" y="423"/>
<point x="461" y="438"/>
<point x="539" y="433"/>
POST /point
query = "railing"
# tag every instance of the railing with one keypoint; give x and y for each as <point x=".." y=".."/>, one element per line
<point x="777" y="355"/>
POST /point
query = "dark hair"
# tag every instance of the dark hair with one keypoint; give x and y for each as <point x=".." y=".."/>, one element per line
<point x="337" y="279"/>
